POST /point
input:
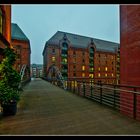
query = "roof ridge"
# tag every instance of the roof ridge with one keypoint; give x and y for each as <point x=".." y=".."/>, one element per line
<point x="88" y="37"/>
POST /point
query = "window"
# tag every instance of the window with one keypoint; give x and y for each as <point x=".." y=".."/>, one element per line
<point x="74" y="53"/>
<point x="53" y="59"/>
<point x="91" y="50"/>
<point x="99" y="69"/>
<point x="83" y="74"/>
<point x="112" y="74"/>
<point x="53" y="50"/>
<point x="65" y="46"/>
<point x="106" y="75"/>
<point x="1" y="20"/>
<point x="64" y="60"/>
<point x="105" y="68"/>
<point x="83" y="68"/>
<point x="74" y="60"/>
<point x="99" y="75"/>
<point x="83" y="60"/>
<point x="83" y="53"/>
<point x="91" y="75"/>
<point x="99" y="55"/>
<point x="18" y="56"/>
<point x="74" y="74"/>
<point x="91" y="69"/>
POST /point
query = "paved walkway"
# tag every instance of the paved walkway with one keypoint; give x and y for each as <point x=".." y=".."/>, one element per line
<point x="48" y="110"/>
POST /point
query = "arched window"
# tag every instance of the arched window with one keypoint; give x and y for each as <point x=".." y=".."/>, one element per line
<point x="91" y="50"/>
<point x="64" y="46"/>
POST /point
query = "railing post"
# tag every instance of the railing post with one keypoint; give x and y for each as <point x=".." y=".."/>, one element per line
<point x="91" y="89"/>
<point x="84" y="88"/>
<point x="134" y="104"/>
<point x="114" y="96"/>
<point x="78" y="86"/>
<point x="70" y="85"/>
<point x="101" y="93"/>
<point x="74" y="87"/>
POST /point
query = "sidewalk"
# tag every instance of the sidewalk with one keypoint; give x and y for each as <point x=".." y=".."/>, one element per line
<point x="45" y="109"/>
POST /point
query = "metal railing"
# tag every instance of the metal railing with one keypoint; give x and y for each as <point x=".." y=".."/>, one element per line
<point x="125" y="99"/>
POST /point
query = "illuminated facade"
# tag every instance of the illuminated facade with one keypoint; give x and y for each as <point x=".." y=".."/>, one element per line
<point x="78" y="56"/>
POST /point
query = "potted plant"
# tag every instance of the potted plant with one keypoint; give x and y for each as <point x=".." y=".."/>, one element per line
<point x="9" y="83"/>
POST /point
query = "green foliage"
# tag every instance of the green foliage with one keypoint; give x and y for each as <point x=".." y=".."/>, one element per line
<point x="9" y="78"/>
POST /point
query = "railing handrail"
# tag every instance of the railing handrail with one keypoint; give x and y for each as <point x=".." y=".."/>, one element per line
<point x="79" y="79"/>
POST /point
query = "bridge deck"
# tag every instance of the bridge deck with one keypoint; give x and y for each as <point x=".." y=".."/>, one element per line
<point x="45" y="109"/>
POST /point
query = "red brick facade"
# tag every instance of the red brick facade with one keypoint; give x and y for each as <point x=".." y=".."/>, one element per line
<point x="79" y="63"/>
<point x="130" y="42"/>
<point x="130" y="55"/>
<point x="5" y="28"/>
<point x="22" y="49"/>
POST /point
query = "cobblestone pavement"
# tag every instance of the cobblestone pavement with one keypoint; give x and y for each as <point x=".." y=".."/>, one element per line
<point x="45" y="109"/>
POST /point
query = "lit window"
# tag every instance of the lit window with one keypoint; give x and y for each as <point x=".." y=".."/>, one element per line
<point x="0" y="21"/>
<point x="91" y="69"/>
<point x="83" y="67"/>
<point x="105" y="68"/>
<point x="106" y="75"/>
<point x="83" y="74"/>
<point x="99" y="69"/>
<point x="99" y="75"/>
<point x="91" y="75"/>
<point x="112" y="74"/>
<point x="65" y="60"/>
<point x="53" y="59"/>
<point x="74" y="60"/>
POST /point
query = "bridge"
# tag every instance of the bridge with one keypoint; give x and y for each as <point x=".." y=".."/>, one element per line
<point x="45" y="109"/>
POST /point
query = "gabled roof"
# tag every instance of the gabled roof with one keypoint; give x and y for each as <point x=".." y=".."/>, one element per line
<point x="17" y="33"/>
<point x="82" y="42"/>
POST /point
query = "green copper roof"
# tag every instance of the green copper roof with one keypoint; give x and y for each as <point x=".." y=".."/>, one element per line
<point x="17" y="33"/>
<point x="82" y="42"/>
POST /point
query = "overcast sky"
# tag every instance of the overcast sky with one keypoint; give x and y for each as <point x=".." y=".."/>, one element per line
<point x="41" y="22"/>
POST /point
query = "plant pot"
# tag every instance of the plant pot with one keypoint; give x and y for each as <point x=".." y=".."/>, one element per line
<point x="9" y="109"/>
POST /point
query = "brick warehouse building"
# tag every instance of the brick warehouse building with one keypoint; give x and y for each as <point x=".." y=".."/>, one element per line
<point x="81" y="57"/>
<point x="130" y="54"/>
<point x="5" y="28"/>
<point x="21" y="45"/>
